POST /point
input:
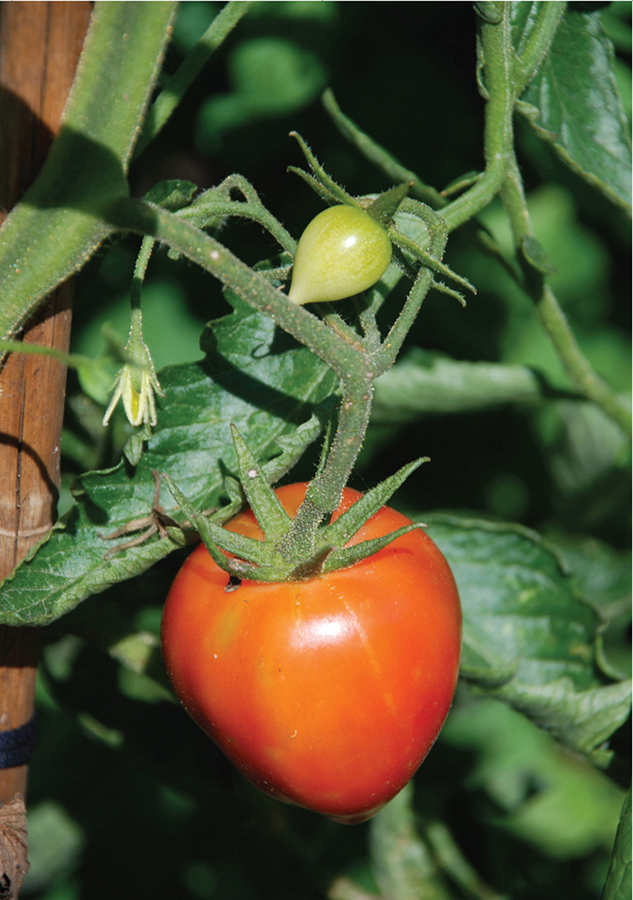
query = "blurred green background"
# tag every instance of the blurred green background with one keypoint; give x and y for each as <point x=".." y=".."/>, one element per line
<point x="127" y="798"/>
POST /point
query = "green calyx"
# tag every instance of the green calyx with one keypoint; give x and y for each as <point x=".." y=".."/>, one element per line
<point x="381" y="208"/>
<point x="285" y="554"/>
<point x="386" y="205"/>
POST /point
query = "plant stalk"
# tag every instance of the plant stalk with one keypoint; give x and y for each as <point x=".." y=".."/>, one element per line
<point x="349" y="361"/>
<point x="550" y="313"/>
<point x="173" y="92"/>
<point x="497" y="53"/>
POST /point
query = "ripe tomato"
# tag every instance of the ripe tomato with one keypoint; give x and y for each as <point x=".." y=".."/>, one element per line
<point x="325" y="693"/>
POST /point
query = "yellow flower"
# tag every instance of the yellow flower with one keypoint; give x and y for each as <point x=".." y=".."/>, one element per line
<point x="136" y="384"/>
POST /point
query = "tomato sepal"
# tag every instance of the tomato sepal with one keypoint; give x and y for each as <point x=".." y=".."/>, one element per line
<point x="320" y="182"/>
<point x="342" y="559"/>
<point x="214" y="537"/>
<point x="285" y="553"/>
<point x="338" y="533"/>
<point x="270" y="514"/>
<point x="290" y="549"/>
<point x="414" y="251"/>
<point x="384" y="207"/>
<point x="315" y="184"/>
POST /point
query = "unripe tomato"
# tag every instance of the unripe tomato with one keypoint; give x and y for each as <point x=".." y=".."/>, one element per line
<point x="325" y="693"/>
<point x="342" y="251"/>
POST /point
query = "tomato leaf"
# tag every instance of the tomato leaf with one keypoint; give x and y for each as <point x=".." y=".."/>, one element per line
<point x="173" y="194"/>
<point x="529" y="638"/>
<point x="424" y="383"/>
<point x="573" y="103"/>
<point x="88" y="161"/>
<point x="402" y="861"/>
<point x="618" y="886"/>
<point x="266" y="394"/>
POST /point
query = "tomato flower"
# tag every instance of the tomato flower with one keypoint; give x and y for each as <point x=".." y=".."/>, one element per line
<point x="135" y="385"/>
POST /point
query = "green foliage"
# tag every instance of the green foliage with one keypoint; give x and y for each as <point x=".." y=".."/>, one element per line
<point x="528" y="638"/>
<point x="60" y="223"/>
<point x="193" y="445"/>
<point x="518" y="399"/>
<point x="619" y="878"/>
<point x="536" y="791"/>
<point x="574" y="102"/>
<point x="270" y="74"/>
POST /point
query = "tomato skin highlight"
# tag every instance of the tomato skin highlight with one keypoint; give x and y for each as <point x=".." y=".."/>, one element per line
<point x="326" y="693"/>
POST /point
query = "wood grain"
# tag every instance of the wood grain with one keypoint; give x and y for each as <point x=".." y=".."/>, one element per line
<point x="40" y="45"/>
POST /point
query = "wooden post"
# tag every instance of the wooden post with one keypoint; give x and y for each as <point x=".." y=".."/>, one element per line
<point x="40" y="45"/>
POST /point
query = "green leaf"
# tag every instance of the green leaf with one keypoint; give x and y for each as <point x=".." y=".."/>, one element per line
<point x="525" y="624"/>
<point x="403" y="864"/>
<point x="601" y="573"/>
<point x="59" y="224"/>
<point x="269" y="76"/>
<point x="425" y="382"/>
<point x="536" y="790"/>
<point x="573" y="103"/>
<point x="603" y="576"/>
<point x="175" y="86"/>
<point x="536" y="256"/>
<point x="266" y="393"/>
<point x="618" y="885"/>
<point x="173" y="194"/>
<point x="55" y="843"/>
<point x="585" y="446"/>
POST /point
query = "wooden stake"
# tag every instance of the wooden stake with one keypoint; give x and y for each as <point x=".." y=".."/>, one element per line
<point x="40" y="45"/>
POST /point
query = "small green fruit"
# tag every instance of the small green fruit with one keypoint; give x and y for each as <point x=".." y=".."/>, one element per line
<point x="342" y="251"/>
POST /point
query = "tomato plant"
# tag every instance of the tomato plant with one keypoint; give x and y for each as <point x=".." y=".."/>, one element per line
<point x="327" y="693"/>
<point x="484" y="157"/>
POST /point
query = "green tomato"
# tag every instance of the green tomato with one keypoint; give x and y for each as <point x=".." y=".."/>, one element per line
<point x="342" y="251"/>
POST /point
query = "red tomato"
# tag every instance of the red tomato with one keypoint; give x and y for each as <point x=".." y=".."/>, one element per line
<point x="325" y="693"/>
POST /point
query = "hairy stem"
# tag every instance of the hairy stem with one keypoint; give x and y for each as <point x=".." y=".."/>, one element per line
<point x="379" y="156"/>
<point x="537" y="45"/>
<point x="348" y="361"/>
<point x="496" y="48"/>
<point x="192" y="65"/>
<point x="550" y="312"/>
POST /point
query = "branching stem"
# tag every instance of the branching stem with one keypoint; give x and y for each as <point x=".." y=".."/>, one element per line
<point x="192" y="65"/>
<point x="550" y="313"/>
<point x="496" y="49"/>
<point x="350" y="363"/>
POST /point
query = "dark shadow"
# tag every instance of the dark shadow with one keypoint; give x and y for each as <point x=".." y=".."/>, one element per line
<point x="92" y="174"/>
<point x="23" y="147"/>
<point x="246" y="385"/>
